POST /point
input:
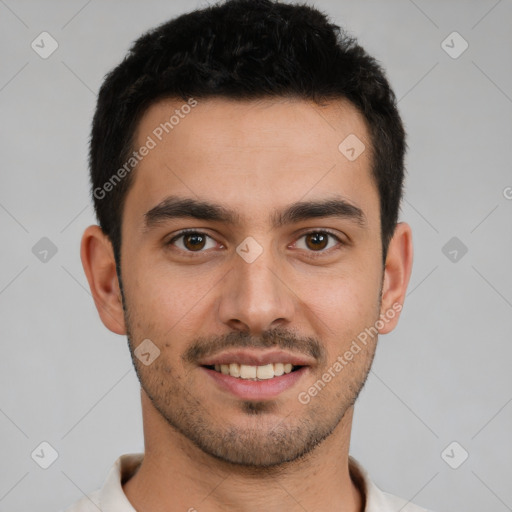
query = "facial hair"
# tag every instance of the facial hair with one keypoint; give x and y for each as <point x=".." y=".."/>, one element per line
<point x="264" y="438"/>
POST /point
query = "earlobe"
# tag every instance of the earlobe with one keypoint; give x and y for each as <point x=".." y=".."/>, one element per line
<point x="397" y="273"/>
<point x="97" y="257"/>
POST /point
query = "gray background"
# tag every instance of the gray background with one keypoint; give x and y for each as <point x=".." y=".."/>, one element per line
<point x="443" y="375"/>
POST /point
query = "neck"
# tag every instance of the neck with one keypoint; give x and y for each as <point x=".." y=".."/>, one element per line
<point x="176" y="472"/>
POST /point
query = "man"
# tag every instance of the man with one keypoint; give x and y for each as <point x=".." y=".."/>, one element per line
<point x="247" y="171"/>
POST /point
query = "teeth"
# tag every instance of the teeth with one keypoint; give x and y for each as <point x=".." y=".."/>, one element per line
<point x="245" y="371"/>
<point x="278" y="369"/>
<point x="234" y="369"/>
<point x="248" y="372"/>
<point x="265" y="372"/>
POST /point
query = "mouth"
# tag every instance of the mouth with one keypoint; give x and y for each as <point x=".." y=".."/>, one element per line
<point x="256" y="375"/>
<point x="253" y="372"/>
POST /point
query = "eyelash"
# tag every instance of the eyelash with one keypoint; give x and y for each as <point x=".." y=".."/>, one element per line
<point x="313" y="254"/>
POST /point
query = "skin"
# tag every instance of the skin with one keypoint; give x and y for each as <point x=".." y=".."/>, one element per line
<point x="205" y="448"/>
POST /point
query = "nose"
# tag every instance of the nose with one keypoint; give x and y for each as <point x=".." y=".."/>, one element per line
<point x="255" y="296"/>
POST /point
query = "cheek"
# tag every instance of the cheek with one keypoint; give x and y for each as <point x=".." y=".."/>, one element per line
<point x="342" y="308"/>
<point x="336" y="295"/>
<point x="162" y="298"/>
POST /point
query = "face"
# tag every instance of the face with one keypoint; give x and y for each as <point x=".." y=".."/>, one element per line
<point x="279" y="268"/>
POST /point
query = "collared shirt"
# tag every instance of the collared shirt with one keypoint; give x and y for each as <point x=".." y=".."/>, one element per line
<point x="111" y="498"/>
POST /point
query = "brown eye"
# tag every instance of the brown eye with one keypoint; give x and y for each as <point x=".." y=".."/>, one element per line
<point x="192" y="241"/>
<point x="317" y="241"/>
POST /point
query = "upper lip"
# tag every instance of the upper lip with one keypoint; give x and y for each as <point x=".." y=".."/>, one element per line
<point x="257" y="358"/>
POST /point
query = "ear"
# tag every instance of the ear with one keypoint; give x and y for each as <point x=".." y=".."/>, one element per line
<point x="97" y="256"/>
<point x="397" y="272"/>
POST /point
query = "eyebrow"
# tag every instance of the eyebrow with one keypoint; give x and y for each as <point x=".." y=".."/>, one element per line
<point x="174" y="207"/>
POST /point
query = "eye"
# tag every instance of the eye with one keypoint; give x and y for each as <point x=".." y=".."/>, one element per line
<point x="192" y="241"/>
<point x="317" y="241"/>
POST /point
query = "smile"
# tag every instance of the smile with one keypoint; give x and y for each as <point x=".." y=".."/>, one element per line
<point x="251" y="372"/>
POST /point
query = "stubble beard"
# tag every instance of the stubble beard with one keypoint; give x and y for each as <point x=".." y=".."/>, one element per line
<point x="266" y="441"/>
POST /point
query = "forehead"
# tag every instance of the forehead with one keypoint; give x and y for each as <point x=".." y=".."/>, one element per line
<point x="277" y="123"/>
<point x="252" y="155"/>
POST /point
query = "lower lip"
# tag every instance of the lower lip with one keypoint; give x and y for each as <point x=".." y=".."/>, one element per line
<point x="256" y="389"/>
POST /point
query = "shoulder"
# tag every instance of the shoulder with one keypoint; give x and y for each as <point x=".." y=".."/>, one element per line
<point x="376" y="499"/>
<point x="395" y="503"/>
<point x="111" y="496"/>
<point x="86" y="504"/>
